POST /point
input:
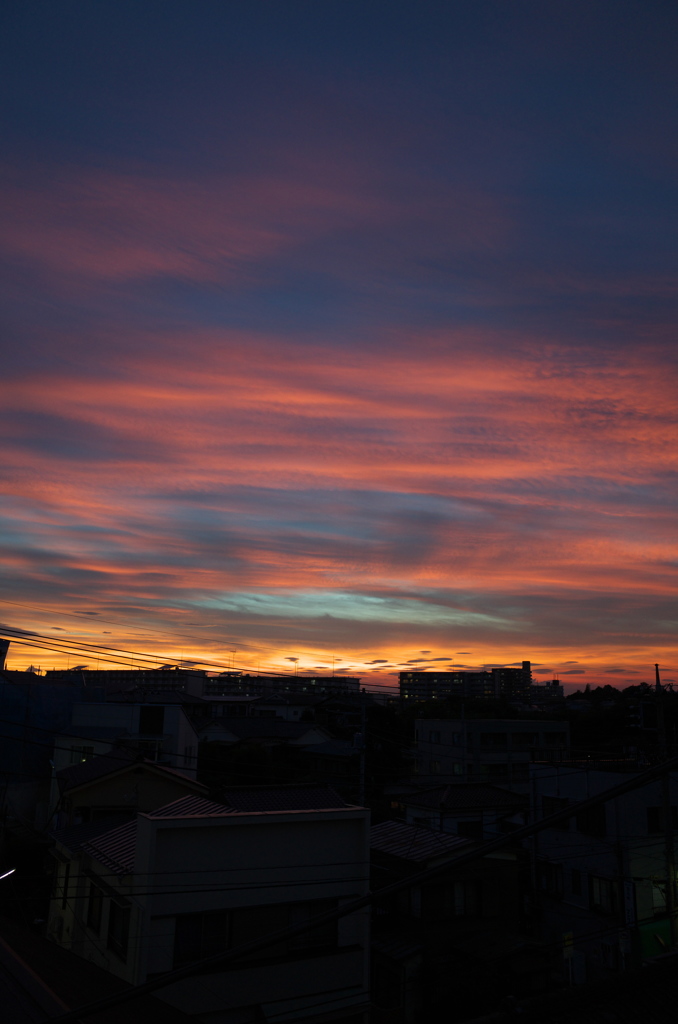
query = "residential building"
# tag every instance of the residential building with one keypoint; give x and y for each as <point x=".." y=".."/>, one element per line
<point x="474" y="809"/>
<point x="487" y="750"/>
<point x="168" y="678"/>
<point x="33" y="712"/>
<point x="193" y="878"/>
<point x="116" y="784"/>
<point x="443" y="685"/>
<point x="547" y="693"/>
<point x="161" y="732"/>
<point x="602" y="875"/>
<point x="240" y="683"/>
<point x="450" y="947"/>
<point x="264" y="731"/>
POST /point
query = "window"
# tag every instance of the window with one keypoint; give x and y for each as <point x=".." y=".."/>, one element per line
<point x="470" y="829"/>
<point x="575" y="881"/>
<point x="434" y="767"/>
<point x="550" y="878"/>
<point x="592" y="821"/>
<point x="450" y="899"/>
<point x="602" y="895"/>
<point x="80" y="754"/>
<point x="434" y="737"/>
<point x="64" y="891"/>
<point x="151" y="749"/>
<point x="206" y="934"/>
<point x="200" y="935"/>
<point x="551" y="804"/>
<point x="524" y="739"/>
<point x="151" y="721"/>
<point x="554" y="739"/>
<point x="118" y="928"/>
<point x="493" y="739"/>
<point x="656" y="819"/>
<point x="495" y="771"/>
<point x="94" y="907"/>
<point x="253" y="922"/>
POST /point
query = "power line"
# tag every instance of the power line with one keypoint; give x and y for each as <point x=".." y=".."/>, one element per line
<point x="428" y="874"/>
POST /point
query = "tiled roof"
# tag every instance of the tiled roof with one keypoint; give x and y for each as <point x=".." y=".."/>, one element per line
<point x="467" y="795"/>
<point x="414" y="843"/>
<point x="191" y="807"/>
<point x="115" y="849"/>
<point x="73" y="837"/>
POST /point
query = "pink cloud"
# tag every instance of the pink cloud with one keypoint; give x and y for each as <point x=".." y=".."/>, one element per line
<point x="88" y="225"/>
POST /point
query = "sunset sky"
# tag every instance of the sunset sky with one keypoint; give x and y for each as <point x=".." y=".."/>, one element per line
<point x="342" y="332"/>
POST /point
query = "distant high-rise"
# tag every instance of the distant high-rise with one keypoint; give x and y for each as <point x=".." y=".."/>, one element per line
<point x="234" y="683"/>
<point x="512" y="683"/>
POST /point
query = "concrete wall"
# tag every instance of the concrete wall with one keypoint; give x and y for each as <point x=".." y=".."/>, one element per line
<point x="193" y="865"/>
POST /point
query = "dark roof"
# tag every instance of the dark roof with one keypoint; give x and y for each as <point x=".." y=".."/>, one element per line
<point x="264" y="728"/>
<point x="95" y="767"/>
<point x="467" y="795"/>
<point x="257" y="799"/>
<point x="191" y="807"/>
<point x="283" y="798"/>
<point x="116" y="848"/>
<point x="74" y="837"/>
<point x="74" y="980"/>
<point x="117" y="760"/>
<point x="300" y="699"/>
<point x="230" y="698"/>
<point x="414" y="843"/>
<point x="141" y="695"/>
<point x="333" y="748"/>
<point x="94" y="732"/>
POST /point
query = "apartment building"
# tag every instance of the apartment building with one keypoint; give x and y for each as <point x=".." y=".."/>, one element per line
<point x="601" y="876"/>
<point x="486" y="750"/>
<point x="508" y="682"/>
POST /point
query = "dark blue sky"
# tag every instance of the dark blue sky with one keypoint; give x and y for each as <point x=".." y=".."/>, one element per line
<point x="344" y="328"/>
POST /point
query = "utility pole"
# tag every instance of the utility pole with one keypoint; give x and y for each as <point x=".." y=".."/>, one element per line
<point x="363" y="739"/>
<point x="669" y="848"/>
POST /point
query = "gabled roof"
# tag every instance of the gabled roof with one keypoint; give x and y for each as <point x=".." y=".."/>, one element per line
<point x="467" y="796"/>
<point x="95" y="767"/>
<point x="414" y="843"/>
<point x="117" y="760"/>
